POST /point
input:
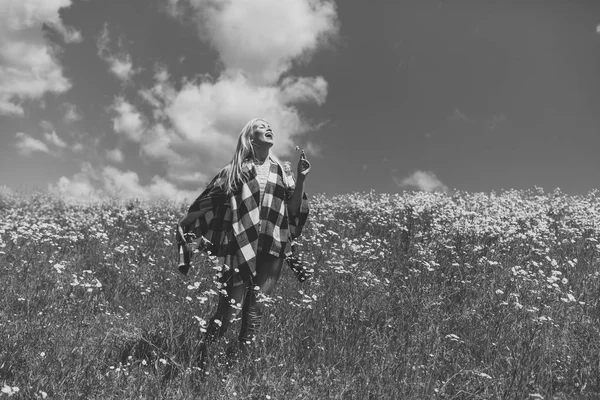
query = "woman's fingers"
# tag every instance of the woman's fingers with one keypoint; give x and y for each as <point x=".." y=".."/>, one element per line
<point x="303" y="164"/>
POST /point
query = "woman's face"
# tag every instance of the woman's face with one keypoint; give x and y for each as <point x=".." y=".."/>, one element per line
<point x="263" y="134"/>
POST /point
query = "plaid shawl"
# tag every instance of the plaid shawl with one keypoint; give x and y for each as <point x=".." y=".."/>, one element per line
<point x="235" y="228"/>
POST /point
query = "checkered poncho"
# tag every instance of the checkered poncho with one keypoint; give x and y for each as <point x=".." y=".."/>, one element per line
<point x="235" y="227"/>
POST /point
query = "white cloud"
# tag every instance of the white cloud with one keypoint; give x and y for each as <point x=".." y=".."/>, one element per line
<point x="77" y="147"/>
<point x="495" y="121"/>
<point x="27" y="145"/>
<point x="6" y="191"/>
<point x="194" y="124"/>
<point x="80" y="187"/>
<point x="199" y="125"/>
<point x="159" y="93"/>
<point x="46" y="125"/>
<point x="263" y="38"/>
<point x="93" y="182"/>
<point x="300" y="90"/>
<point x="69" y="34"/>
<point x="127" y="183"/>
<point x="182" y="161"/>
<point x="120" y="63"/>
<point x="189" y="179"/>
<point x="55" y="140"/>
<point x="52" y="143"/>
<point x="77" y="188"/>
<point x="71" y="113"/>
<point x="458" y="116"/>
<point x="422" y="180"/>
<point x="28" y="68"/>
<point x="128" y="121"/>
<point x="115" y="155"/>
<point x="313" y="150"/>
<point x="122" y="67"/>
<point x="174" y="8"/>
<point x="83" y="142"/>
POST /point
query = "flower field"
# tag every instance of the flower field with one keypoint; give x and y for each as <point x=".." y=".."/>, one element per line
<point x="414" y="296"/>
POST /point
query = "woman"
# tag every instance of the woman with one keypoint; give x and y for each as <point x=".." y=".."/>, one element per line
<point x="248" y="217"/>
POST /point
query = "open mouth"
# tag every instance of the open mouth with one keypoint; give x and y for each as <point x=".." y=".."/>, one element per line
<point x="269" y="135"/>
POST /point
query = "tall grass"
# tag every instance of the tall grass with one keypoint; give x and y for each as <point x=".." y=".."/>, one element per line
<point x="465" y="296"/>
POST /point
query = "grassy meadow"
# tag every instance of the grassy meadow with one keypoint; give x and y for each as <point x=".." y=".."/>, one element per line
<point x="414" y="296"/>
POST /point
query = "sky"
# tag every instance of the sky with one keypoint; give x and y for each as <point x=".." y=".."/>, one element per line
<point x="146" y="98"/>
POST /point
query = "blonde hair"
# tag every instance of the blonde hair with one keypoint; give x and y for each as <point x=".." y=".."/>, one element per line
<point x="232" y="175"/>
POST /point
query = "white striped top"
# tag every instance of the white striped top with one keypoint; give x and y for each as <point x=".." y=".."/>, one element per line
<point x="262" y="174"/>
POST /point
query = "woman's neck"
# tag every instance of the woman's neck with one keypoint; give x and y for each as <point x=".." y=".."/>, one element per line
<point x="261" y="156"/>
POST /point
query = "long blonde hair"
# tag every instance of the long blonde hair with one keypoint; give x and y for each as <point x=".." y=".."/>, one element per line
<point x="232" y="175"/>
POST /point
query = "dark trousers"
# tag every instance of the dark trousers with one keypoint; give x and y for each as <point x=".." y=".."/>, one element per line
<point x="245" y="298"/>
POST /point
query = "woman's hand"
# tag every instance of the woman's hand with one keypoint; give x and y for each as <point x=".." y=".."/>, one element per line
<point x="296" y="200"/>
<point x="303" y="166"/>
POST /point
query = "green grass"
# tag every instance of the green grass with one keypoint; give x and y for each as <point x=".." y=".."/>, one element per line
<point x="464" y="296"/>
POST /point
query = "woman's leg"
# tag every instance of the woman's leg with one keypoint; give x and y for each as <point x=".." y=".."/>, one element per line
<point x="227" y="308"/>
<point x="268" y="270"/>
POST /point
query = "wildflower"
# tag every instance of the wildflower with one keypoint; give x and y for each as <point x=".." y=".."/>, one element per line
<point x="453" y="337"/>
<point x="9" y="390"/>
<point x="569" y="299"/>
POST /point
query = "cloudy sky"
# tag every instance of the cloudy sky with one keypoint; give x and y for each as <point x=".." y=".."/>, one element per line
<point x="146" y="98"/>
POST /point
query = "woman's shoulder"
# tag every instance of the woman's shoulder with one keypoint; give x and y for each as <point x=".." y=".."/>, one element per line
<point x="218" y="181"/>
<point x="219" y="176"/>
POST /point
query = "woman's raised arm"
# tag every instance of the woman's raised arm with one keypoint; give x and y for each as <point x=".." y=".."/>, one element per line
<point x="296" y="200"/>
